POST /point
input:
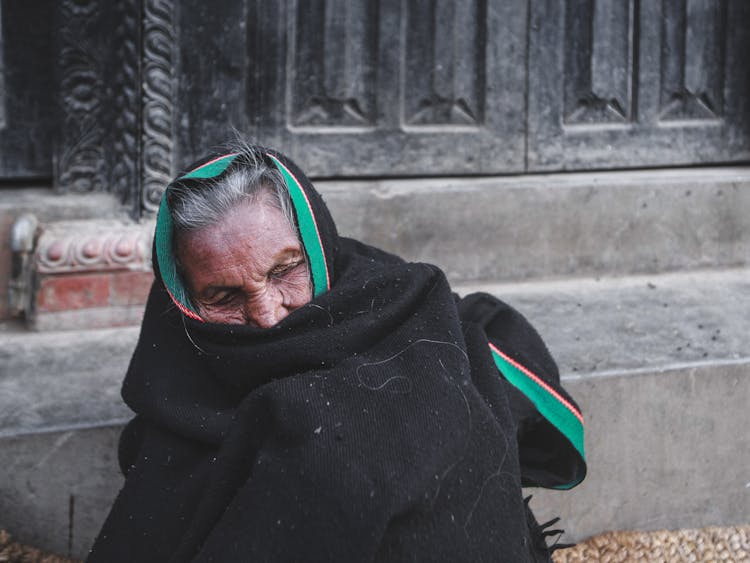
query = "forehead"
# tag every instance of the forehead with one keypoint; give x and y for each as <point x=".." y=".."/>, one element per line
<point x="253" y="232"/>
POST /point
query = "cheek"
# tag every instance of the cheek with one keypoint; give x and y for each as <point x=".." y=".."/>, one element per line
<point x="297" y="289"/>
<point x="230" y="316"/>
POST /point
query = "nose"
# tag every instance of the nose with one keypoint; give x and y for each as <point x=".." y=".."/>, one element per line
<point x="265" y="310"/>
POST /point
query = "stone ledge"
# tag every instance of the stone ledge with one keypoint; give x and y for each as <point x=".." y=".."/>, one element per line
<point x="502" y="228"/>
<point x="593" y="328"/>
<point x="614" y="325"/>
<point x="48" y="205"/>
<point x="66" y="379"/>
<point x="554" y="225"/>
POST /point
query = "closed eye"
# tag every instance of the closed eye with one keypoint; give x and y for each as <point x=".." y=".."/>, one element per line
<point x="221" y="297"/>
<point x="282" y="269"/>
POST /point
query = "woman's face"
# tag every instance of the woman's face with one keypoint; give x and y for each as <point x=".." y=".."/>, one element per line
<point x="247" y="269"/>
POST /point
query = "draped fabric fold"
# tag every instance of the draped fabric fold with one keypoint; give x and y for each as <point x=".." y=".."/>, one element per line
<point x="371" y="424"/>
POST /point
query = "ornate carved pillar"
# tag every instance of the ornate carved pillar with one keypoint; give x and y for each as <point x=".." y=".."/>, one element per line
<point x="115" y="77"/>
<point x="79" y="155"/>
<point x="157" y="98"/>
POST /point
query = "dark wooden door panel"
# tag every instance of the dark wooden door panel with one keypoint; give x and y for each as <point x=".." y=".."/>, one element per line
<point x="390" y="87"/>
<point x="118" y="96"/>
<point x="27" y="98"/>
<point x="628" y="83"/>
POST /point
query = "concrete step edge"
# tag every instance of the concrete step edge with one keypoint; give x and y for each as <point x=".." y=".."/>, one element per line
<point x="554" y="225"/>
<point x="594" y="329"/>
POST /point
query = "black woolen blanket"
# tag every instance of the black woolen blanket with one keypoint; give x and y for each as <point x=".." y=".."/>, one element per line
<point x="369" y="425"/>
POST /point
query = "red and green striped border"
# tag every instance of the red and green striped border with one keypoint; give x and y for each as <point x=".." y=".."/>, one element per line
<point x="164" y="234"/>
<point x="561" y="413"/>
<point x="212" y="168"/>
<point x="165" y="259"/>
<point x="308" y="229"/>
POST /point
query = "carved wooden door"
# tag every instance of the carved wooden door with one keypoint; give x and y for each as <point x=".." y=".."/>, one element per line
<point x="390" y="87"/>
<point x="628" y="83"/>
<point x="374" y="87"/>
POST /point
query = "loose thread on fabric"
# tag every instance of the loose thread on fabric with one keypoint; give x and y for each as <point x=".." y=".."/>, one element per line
<point x="316" y="306"/>
<point x="396" y="355"/>
<point x="366" y="311"/>
<point x="469" y="431"/>
<point x="458" y="387"/>
<point x="190" y="338"/>
<point x="497" y="473"/>
<point x="442" y="479"/>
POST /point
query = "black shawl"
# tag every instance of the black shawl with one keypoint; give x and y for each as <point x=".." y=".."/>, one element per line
<point x="387" y="420"/>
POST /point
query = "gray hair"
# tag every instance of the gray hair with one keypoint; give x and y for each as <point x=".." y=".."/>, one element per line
<point x="194" y="209"/>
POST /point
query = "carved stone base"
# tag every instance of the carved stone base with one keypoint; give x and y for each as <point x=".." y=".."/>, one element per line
<point x="90" y="274"/>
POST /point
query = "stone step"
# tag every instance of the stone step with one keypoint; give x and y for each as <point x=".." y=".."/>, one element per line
<point x="601" y="326"/>
<point x="59" y="381"/>
<point x="60" y="418"/>
<point x="660" y="365"/>
<point x="524" y="228"/>
<point x="667" y="448"/>
<point x="554" y="225"/>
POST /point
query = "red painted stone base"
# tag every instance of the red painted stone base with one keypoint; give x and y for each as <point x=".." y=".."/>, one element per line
<point x="90" y="275"/>
<point x="91" y="300"/>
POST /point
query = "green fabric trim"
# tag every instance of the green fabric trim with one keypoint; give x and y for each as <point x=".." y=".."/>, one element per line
<point x="164" y="234"/>
<point x="546" y="403"/>
<point x="308" y="230"/>
<point x="164" y="255"/>
<point x="210" y="169"/>
<point x="566" y="486"/>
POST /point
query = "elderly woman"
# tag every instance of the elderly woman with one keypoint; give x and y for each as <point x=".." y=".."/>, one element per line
<point x="300" y="396"/>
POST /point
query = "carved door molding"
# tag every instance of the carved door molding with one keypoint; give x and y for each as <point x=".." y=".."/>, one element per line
<point x="116" y="101"/>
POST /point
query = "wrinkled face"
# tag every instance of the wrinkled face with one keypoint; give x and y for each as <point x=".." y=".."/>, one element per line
<point x="248" y="269"/>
